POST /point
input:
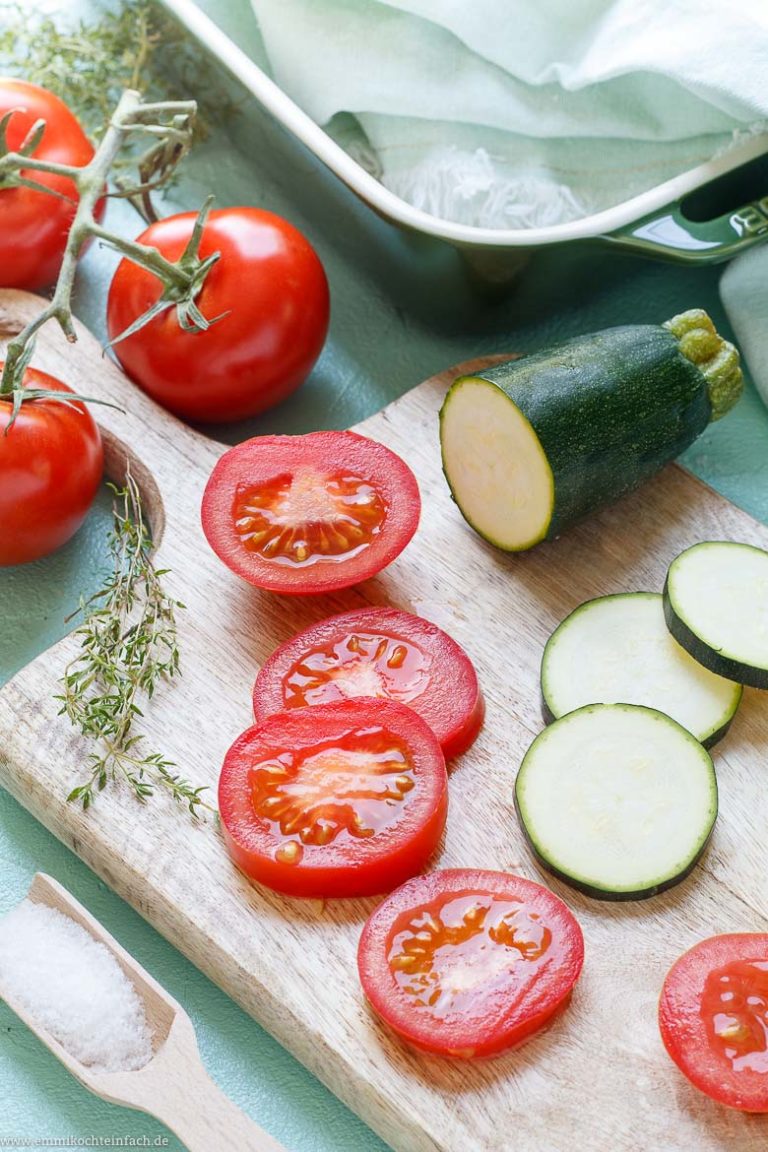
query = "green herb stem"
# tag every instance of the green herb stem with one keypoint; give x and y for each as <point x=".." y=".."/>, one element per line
<point x="128" y="646"/>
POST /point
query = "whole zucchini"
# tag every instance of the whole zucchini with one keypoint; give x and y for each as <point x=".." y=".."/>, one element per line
<point x="532" y="445"/>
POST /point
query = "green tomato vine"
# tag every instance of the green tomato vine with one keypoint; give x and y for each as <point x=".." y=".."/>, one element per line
<point x="128" y="633"/>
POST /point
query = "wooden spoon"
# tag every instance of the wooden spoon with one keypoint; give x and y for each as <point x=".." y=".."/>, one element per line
<point x="174" y="1086"/>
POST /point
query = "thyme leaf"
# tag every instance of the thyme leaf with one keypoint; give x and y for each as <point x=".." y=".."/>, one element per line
<point x="128" y="646"/>
<point x="88" y="62"/>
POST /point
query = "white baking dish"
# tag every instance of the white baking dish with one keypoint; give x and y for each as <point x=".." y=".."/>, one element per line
<point x="688" y="219"/>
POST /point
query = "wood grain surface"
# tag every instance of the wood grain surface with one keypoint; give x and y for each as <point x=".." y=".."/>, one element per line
<point x="598" y="1079"/>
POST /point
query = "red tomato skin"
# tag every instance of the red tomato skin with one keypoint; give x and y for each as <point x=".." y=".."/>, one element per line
<point x="683" y="1030"/>
<point x="452" y="703"/>
<point x="35" y="224"/>
<point x="486" y="1036"/>
<point x="342" y="870"/>
<point x="264" y="456"/>
<point x="271" y="292"/>
<point x="51" y="464"/>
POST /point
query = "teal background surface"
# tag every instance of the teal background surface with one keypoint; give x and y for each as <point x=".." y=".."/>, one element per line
<point x="402" y="309"/>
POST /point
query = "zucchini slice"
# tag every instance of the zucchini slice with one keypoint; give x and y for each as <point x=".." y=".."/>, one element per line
<point x="617" y="800"/>
<point x="716" y="606"/>
<point x="535" y="444"/>
<point x="617" y="649"/>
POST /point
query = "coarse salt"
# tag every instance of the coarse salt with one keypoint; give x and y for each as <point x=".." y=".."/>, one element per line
<point x="72" y="986"/>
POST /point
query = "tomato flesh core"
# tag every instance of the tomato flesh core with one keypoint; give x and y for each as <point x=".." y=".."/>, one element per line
<point x="352" y="785"/>
<point x="357" y="664"/>
<point x="451" y="948"/>
<point x="301" y="518"/>
<point x="734" y="1007"/>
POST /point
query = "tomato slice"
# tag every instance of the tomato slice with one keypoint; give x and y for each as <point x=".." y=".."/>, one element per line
<point x="344" y="799"/>
<point x="304" y="514"/>
<point x="713" y="1017"/>
<point x="467" y="963"/>
<point x="377" y="652"/>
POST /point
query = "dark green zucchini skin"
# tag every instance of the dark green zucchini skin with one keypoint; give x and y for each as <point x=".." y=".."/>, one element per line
<point x="636" y="402"/>
<point x="715" y="661"/>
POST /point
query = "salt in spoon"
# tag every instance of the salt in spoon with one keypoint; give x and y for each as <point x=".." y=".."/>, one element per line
<point x="174" y="1086"/>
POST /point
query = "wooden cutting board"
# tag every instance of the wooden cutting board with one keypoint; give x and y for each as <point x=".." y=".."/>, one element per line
<point x="598" y="1079"/>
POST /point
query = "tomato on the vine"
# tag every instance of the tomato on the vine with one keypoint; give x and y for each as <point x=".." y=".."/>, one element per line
<point x="267" y="297"/>
<point x="51" y="462"/>
<point x="35" y="224"/>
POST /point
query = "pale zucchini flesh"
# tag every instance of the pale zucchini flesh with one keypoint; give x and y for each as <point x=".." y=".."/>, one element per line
<point x="618" y="649"/>
<point x="496" y="466"/>
<point x="716" y="607"/>
<point x="617" y="800"/>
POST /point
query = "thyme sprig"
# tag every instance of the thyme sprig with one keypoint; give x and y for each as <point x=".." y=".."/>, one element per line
<point x="88" y="62"/>
<point x="128" y="646"/>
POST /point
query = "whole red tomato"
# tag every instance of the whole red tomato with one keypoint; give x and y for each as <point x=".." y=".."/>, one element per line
<point x="51" y="462"/>
<point x="269" y="289"/>
<point x="33" y="224"/>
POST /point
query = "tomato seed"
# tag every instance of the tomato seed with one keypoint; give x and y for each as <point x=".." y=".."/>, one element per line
<point x="289" y="853"/>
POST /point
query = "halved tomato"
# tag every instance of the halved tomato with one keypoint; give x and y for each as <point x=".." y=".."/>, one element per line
<point x="377" y="652"/>
<point x="467" y="963"/>
<point x="713" y="1018"/>
<point x="311" y="513"/>
<point x="340" y="800"/>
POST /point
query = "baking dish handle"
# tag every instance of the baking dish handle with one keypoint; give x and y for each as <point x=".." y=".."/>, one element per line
<point x="671" y="235"/>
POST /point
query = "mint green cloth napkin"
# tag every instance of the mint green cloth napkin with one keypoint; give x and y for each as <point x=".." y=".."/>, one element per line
<point x="519" y="113"/>
<point x="744" y="292"/>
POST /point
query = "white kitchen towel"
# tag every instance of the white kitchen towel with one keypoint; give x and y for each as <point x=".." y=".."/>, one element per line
<point x="518" y="113"/>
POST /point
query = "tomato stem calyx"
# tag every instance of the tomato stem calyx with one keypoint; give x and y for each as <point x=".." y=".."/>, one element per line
<point x="182" y="285"/>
